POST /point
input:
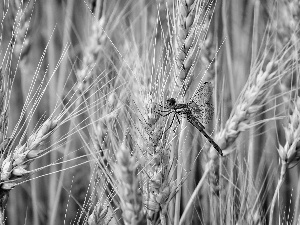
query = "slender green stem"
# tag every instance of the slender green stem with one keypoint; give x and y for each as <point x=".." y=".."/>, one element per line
<point x="282" y="175"/>
<point x="195" y="193"/>
<point x="179" y="171"/>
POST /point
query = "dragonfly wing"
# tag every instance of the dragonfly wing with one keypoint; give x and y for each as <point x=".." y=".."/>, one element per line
<point x="203" y="113"/>
<point x="193" y="120"/>
<point x="203" y="94"/>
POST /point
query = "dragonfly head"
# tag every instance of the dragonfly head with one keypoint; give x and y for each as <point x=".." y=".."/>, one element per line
<point x="171" y="102"/>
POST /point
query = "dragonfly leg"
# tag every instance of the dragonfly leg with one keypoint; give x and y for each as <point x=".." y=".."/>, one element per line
<point x="159" y="112"/>
<point x="174" y="130"/>
<point x="170" y="125"/>
<point x="178" y="120"/>
<point x="175" y="115"/>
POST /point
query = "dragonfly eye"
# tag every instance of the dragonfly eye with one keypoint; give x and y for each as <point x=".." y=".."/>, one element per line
<point x="170" y="102"/>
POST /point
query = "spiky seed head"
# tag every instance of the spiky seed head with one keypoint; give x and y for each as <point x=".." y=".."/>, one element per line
<point x="290" y="152"/>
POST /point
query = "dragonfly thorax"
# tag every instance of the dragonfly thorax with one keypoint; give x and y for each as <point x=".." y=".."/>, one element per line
<point x="171" y="102"/>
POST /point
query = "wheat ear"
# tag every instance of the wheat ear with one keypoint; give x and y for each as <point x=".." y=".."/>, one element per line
<point x="286" y="33"/>
<point x="16" y="162"/>
<point x="249" y="103"/>
<point x="290" y="152"/>
<point x="192" y="26"/>
<point x="91" y="55"/>
<point x="128" y="188"/>
<point x="185" y="37"/>
<point x="158" y="188"/>
<point x="22" y="14"/>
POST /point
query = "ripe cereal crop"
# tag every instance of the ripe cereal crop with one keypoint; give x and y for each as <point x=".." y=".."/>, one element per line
<point x="149" y="112"/>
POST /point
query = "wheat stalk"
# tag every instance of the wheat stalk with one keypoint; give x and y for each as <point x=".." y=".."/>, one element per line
<point x="4" y="104"/>
<point x="4" y="148"/>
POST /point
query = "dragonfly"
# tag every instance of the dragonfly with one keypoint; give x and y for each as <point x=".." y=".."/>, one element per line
<point x="199" y="110"/>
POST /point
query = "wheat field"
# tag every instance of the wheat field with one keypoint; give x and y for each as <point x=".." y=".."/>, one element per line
<point x="97" y="125"/>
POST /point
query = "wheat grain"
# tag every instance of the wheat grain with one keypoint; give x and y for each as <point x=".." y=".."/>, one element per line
<point x="98" y="216"/>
